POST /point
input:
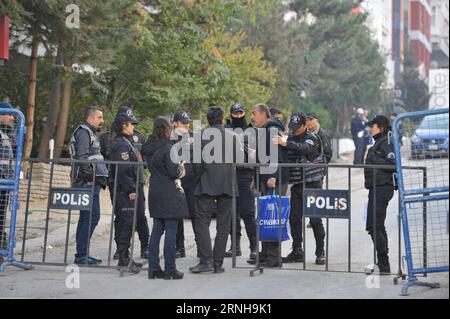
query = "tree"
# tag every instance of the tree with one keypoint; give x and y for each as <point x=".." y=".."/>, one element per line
<point x="415" y="94"/>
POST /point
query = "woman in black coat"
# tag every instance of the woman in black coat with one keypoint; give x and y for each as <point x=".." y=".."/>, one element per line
<point x="167" y="202"/>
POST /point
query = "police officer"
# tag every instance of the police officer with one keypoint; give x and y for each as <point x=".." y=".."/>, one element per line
<point x="138" y="139"/>
<point x="358" y="128"/>
<point x="182" y="137"/>
<point x="245" y="203"/>
<point x="130" y="188"/>
<point x="85" y="145"/>
<point x="304" y="147"/>
<point x="7" y="136"/>
<point x="381" y="187"/>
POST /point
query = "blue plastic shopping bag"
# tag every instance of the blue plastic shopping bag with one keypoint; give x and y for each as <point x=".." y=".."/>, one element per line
<point x="269" y="217"/>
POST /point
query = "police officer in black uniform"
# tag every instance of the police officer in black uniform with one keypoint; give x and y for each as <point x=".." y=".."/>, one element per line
<point x="304" y="147"/>
<point x="130" y="188"/>
<point x="182" y="137"/>
<point x="85" y="145"/>
<point x="381" y="187"/>
<point x="245" y="202"/>
<point x="138" y="139"/>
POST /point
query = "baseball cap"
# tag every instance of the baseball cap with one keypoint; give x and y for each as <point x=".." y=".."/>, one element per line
<point x="380" y="120"/>
<point x="128" y="112"/>
<point x="182" y="117"/>
<point x="237" y="107"/>
<point x="312" y="115"/>
<point x="297" y="120"/>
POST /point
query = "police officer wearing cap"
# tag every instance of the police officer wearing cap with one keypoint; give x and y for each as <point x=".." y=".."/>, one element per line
<point x="358" y="128"/>
<point x="85" y="146"/>
<point x="245" y="202"/>
<point x="130" y="188"/>
<point x="381" y="187"/>
<point x="304" y="147"/>
<point x="182" y="137"/>
<point x="7" y="135"/>
<point x="138" y="140"/>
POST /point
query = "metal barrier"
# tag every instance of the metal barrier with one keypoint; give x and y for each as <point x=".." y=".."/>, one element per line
<point x="335" y="182"/>
<point x="12" y="130"/>
<point x="61" y="199"/>
<point x="421" y="138"/>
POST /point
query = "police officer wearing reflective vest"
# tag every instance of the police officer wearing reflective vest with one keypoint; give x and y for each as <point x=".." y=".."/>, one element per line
<point x="138" y="140"/>
<point x="7" y="135"/>
<point x="245" y="202"/>
<point x="85" y="145"/>
<point x="381" y="187"/>
<point x="183" y="139"/>
<point x="304" y="147"/>
<point x="130" y="188"/>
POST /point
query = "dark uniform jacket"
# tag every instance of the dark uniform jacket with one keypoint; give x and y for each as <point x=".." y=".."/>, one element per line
<point x="358" y="125"/>
<point x="216" y="179"/>
<point x="166" y="196"/>
<point x="122" y="149"/>
<point x="190" y="179"/>
<point x="85" y="145"/>
<point x="381" y="153"/>
<point x="304" y="148"/>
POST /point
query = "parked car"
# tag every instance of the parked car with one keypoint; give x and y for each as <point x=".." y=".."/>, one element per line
<point x="431" y="137"/>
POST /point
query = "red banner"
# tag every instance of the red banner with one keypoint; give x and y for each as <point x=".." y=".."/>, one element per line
<point x="4" y="37"/>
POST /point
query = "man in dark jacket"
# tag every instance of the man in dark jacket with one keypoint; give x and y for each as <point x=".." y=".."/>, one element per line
<point x="215" y="185"/>
<point x="270" y="181"/>
<point x="84" y="145"/>
<point x="182" y="137"/>
<point x="245" y="203"/>
<point x="138" y="140"/>
<point x="358" y="129"/>
<point x="380" y="186"/>
<point x="304" y="147"/>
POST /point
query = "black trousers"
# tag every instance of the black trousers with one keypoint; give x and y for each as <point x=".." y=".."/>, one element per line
<point x="142" y="224"/>
<point x="376" y="217"/>
<point x="205" y="207"/>
<point x="124" y="228"/>
<point x="190" y="200"/>
<point x="245" y="208"/>
<point x="360" y="150"/>
<point x="270" y="250"/>
<point x="4" y="202"/>
<point x="296" y="218"/>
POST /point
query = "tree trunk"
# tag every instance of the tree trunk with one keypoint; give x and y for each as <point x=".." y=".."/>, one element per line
<point x="53" y="109"/>
<point x="28" y="145"/>
<point x="64" y="114"/>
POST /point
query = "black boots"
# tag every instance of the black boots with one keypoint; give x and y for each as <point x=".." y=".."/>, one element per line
<point x="175" y="274"/>
<point x="202" y="267"/>
<point x="157" y="274"/>
<point x="320" y="259"/>
<point x="383" y="265"/>
<point x="229" y="253"/>
<point x="125" y="264"/>
<point x="296" y="256"/>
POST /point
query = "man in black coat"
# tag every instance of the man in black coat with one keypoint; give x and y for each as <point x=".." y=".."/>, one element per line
<point x="270" y="181"/>
<point x="215" y="186"/>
